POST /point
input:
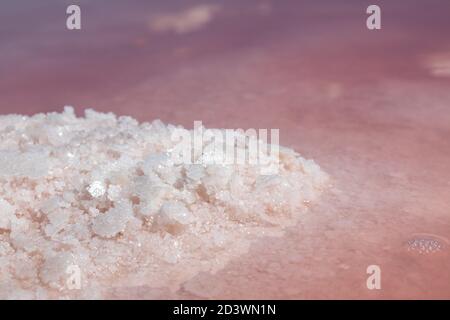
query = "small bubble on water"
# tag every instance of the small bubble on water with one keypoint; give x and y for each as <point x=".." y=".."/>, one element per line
<point x="426" y="244"/>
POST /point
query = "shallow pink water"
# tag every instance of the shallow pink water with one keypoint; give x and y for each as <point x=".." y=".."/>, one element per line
<point x="366" y="105"/>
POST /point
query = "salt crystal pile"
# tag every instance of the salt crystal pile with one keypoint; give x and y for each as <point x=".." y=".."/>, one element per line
<point x="97" y="202"/>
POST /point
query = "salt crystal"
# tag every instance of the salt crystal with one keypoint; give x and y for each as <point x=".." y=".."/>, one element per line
<point x="175" y="211"/>
<point x="112" y="222"/>
<point x="96" y="189"/>
<point x="114" y="192"/>
<point x="31" y="164"/>
<point x="126" y="208"/>
<point x="195" y="172"/>
<point x="6" y="214"/>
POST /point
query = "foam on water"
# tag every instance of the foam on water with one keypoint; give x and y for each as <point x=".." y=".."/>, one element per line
<point x="424" y="244"/>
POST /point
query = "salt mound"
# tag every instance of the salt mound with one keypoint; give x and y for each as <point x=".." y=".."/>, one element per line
<point x="88" y="204"/>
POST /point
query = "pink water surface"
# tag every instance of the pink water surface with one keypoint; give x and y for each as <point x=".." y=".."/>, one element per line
<point x="368" y="106"/>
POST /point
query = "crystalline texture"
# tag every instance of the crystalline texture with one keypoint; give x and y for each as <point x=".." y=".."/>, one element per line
<point x="97" y="189"/>
<point x="27" y="164"/>
<point x="6" y="215"/>
<point x="111" y="198"/>
<point x="113" y="221"/>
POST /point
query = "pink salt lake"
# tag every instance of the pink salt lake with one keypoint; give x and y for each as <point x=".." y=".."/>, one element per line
<point x="371" y="107"/>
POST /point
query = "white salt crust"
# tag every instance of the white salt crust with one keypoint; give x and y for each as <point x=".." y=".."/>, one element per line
<point x="99" y="193"/>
